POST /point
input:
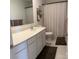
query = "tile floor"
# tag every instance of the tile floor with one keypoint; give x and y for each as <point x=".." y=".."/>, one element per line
<point x="61" y="50"/>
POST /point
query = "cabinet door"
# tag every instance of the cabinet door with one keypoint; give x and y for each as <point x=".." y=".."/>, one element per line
<point x="39" y="45"/>
<point x="21" y="55"/>
<point x="40" y="38"/>
<point x="43" y="39"/>
<point x="12" y="55"/>
<point x="32" y="50"/>
<point x="20" y="47"/>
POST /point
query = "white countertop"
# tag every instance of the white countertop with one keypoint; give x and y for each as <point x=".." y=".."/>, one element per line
<point x="25" y="35"/>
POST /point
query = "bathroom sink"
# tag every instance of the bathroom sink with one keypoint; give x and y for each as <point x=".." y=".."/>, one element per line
<point x="26" y="34"/>
<point x="35" y="28"/>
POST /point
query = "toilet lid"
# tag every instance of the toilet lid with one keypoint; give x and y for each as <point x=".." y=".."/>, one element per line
<point x="49" y="33"/>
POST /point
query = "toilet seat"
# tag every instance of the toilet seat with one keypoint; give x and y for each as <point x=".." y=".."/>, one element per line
<point x="49" y="36"/>
<point x="49" y="33"/>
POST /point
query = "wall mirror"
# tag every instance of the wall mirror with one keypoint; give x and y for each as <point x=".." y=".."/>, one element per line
<point x="21" y="12"/>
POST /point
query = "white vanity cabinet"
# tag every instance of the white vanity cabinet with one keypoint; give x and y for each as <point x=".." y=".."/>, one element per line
<point x="36" y="44"/>
<point x="39" y="39"/>
<point x="30" y="48"/>
<point x="20" y="51"/>
<point x="22" y="54"/>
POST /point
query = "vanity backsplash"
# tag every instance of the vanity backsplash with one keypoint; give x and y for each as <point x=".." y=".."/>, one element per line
<point x="16" y="22"/>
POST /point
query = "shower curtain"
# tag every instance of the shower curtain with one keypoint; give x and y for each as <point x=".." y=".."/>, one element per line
<point x="55" y="16"/>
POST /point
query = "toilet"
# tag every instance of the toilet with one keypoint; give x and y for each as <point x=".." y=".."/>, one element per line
<point x="49" y="36"/>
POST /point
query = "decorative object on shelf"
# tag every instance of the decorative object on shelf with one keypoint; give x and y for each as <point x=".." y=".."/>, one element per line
<point x="39" y="13"/>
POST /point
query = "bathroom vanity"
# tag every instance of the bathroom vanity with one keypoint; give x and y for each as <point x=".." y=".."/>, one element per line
<point x="27" y="41"/>
<point x="28" y="44"/>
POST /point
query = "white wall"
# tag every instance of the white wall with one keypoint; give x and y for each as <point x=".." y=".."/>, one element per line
<point x="54" y="17"/>
<point x="36" y="4"/>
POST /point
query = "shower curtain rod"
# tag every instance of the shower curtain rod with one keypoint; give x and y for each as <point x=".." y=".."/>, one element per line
<point x="54" y="2"/>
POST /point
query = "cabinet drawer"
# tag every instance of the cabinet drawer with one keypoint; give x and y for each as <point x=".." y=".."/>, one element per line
<point x="21" y="55"/>
<point x="20" y="47"/>
<point x="31" y="40"/>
